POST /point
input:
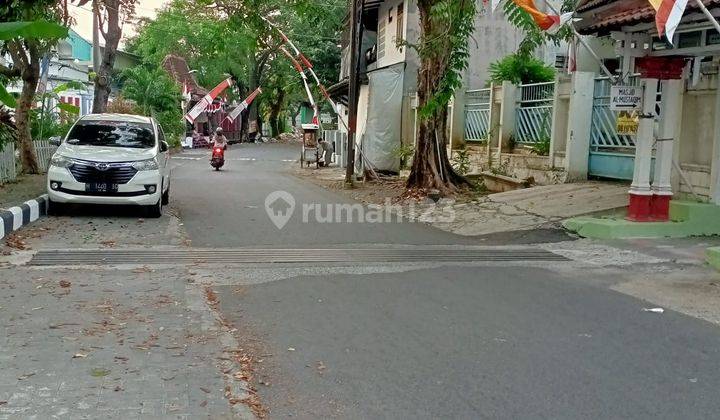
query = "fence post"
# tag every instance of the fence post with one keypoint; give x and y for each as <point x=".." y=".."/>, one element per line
<point x="507" y="116"/>
<point x="715" y="168"/>
<point x="579" y="125"/>
<point x="554" y="123"/>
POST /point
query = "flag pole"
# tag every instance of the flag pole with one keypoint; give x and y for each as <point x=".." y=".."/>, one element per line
<point x="709" y="15"/>
<point x="584" y="43"/>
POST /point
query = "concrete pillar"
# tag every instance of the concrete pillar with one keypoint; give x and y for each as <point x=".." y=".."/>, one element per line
<point x="507" y="116"/>
<point x="640" y="191"/>
<point x="554" y="124"/>
<point x="715" y="172"/>
<point x="579" y="124"/>
<point x="662" y="186"/>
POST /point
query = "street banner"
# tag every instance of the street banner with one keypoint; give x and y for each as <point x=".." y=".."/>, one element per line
<point x="668" y="14"/>
<point x="243" y="106"/>
<point x="207" y="100"/>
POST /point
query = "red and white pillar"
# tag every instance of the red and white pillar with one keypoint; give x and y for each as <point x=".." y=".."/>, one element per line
<point x="670" y="109"/>
<point x="641" y="194"/>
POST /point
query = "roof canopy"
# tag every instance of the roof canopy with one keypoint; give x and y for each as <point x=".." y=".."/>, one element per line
<point x="178" y="69"/>
<point x="603" y="16"/>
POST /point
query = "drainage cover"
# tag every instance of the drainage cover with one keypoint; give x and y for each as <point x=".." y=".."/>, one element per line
<point x="283" y="256"/>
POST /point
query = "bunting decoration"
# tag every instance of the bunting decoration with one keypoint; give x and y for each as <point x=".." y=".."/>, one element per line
<point x="207" y="100"/>
<point x="668" y="14"/>
<point x="243" y="106"/>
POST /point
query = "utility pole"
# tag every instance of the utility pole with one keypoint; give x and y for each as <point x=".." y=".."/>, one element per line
<point x="354" y="85"/>
<point x="96" y="38"/>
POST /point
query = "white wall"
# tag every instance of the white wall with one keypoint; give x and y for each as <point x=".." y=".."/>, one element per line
<point x="393" y="54"/>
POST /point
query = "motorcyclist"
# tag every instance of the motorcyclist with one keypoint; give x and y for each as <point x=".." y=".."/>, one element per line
<point x="219" y="140"/>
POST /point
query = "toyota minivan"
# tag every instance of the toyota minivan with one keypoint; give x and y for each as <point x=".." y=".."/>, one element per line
<point x="114" y="159"/>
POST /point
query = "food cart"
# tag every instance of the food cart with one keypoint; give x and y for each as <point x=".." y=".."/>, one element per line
<point x="310" y="149"/>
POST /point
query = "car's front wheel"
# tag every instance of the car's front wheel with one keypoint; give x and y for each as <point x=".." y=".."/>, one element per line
<point x="54" y="208"/>
<point x="155" y="210"/>
<point x="166" y="197"/>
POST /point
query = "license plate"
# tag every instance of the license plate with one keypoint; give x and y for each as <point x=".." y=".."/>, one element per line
<point x="101" y="187"/>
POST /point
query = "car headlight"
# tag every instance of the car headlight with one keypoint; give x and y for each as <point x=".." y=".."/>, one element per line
<point x="145" y="165"/>
<point x="61" y="161"/>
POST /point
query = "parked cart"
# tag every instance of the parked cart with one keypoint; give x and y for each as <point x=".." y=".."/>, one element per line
<point x="310" y="149"/>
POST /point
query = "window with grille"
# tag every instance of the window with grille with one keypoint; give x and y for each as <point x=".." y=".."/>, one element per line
<point x="399" y="31"/>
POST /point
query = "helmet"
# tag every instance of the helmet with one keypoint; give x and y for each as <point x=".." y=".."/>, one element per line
<point x="219" y="130"/>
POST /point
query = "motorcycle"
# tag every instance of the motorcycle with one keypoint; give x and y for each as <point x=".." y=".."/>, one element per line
<point x="218" y="158"/>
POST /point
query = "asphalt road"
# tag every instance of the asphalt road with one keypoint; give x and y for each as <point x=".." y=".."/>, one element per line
<point x="509" y="340"/>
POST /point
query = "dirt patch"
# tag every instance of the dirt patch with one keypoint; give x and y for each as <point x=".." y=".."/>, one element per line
<point x="25" y="188"/>
<point x="378" y="191"/>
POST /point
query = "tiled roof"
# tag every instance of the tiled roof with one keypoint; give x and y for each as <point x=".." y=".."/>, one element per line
<point x="178" y="69"/>
<point x="611" y="15"/>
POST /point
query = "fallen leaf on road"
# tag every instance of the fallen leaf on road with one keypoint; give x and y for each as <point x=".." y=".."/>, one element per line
<point x="205" y="390"/>
<point x="99" y="372"/>
<point x="291" y="348"/>
<point x="25" y="376"/>
<point x="321" y="367"/>
<point x="65" y="283"/>
<point x="654" y="310"/>
<point x="79" y="355"/>
<point x="203" y="404"/>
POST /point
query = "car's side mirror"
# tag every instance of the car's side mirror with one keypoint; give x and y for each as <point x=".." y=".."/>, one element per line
<point x="164" y="147"/>
<point x="55" y="140"/>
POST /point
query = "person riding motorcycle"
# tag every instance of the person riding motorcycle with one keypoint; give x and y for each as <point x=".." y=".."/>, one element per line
<point x="219" y="140"/>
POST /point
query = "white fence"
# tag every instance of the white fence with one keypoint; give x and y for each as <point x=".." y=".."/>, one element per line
<point x="44" y="151"/>
<point x="534" y="112"/>
<point x="8" y="167"/>
<point x="477" y="114"/>
<point x="8" y="161"/>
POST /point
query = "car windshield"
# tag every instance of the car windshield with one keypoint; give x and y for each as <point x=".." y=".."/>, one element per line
<point x="113" y="134"/>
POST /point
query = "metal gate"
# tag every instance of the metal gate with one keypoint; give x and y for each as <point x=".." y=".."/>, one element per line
<point x="533" y="116"/>
<point x="611" y="155"/>
<point x="477" y="114"/>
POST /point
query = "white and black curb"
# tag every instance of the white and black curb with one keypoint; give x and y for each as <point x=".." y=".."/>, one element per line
<point x="16" y="217"/>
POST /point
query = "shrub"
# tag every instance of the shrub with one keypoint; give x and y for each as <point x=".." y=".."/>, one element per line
<point x="521" y="69"/>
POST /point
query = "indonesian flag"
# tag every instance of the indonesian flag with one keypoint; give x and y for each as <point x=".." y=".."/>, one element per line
<point x="243" y="106"/>
<point x="572" y="56"/>
<point x="207" y="100"/>
<point x="668" y="14"/>
<point x="548" y="23"/>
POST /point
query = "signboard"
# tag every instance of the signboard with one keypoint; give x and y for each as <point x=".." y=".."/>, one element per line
<point x="626" y="98"/>
<point x="628" y="123"/>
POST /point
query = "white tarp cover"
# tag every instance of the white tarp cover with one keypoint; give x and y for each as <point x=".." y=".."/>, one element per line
<point x="382" y="131"/>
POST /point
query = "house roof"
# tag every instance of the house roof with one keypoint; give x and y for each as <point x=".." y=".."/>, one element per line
<point x="603" y="16"/>
<point x="178" y="69"/>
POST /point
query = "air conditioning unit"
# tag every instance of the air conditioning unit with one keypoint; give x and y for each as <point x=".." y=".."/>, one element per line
<point x="561" y="61"/>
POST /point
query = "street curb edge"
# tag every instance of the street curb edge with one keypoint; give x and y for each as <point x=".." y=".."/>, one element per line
<point x="16" y="217"/>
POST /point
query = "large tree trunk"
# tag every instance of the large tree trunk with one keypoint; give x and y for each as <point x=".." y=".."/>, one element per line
<point x="275" y="109"/>
<point x="105" y="71"/>
<point x="30" y="74"/>
<point x="431" y="168"/>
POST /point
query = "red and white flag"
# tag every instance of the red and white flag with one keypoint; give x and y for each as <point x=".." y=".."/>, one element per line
<point x="243" y="106"/>
<point x="668" y="14"/>
<point x="572" y="56"/>
<point x="546" y="22"/>
<point x="207" y="100"/>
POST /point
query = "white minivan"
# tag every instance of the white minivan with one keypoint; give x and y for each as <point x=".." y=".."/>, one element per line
<point x="114" y="159"/>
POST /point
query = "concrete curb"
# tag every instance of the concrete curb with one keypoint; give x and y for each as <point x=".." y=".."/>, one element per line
<point x="16" y="217"/>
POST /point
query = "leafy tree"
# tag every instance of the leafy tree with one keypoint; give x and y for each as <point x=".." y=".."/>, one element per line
<point x="28" y="30"/>
<point x="155" y="95"/>
<point x="111" y="15"/>
<point x="519" y="69"/>
<point x="443" y="49"/>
